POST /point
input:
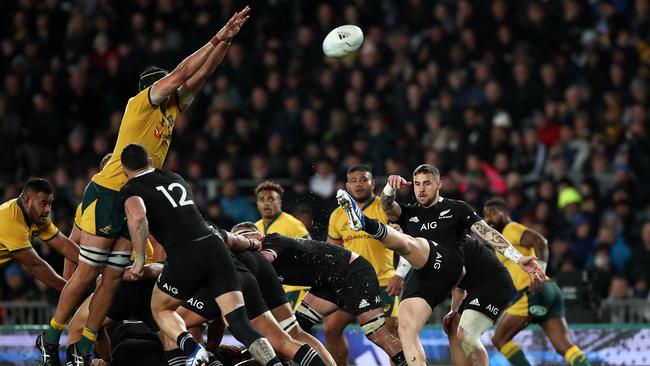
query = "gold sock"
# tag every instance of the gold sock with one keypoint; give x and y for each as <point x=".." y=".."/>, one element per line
<point x="56" y="325"/>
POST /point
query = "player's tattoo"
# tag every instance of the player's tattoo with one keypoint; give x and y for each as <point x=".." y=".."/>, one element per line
<point x="387" y="201"/>
<point x="391" y="207"/>
<point x="490" y="236"/>
<point x="143" y="232"/>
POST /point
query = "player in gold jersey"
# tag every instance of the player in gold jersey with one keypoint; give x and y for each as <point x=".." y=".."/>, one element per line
<point x="27" y="217"/>
<point x="361" y="184"/>
<point x="545" y="306"/>
<point x="148" y="120"/>
<point x="274" y="220"/>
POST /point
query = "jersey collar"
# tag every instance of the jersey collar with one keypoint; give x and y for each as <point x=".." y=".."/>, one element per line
<point x="145" y="172"/>
<point x="266" y="227"/>
<point x="21" y="204"/>
<point x="370" y="202"/>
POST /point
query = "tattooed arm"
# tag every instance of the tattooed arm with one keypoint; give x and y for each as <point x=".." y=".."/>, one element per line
<point x="387" y="200"/>
<point x="136" y="214"/>
<point x="501" y="245"/>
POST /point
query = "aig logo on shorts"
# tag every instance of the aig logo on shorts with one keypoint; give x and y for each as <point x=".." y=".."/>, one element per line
<point x="195" y="303"/>
<point x="171" y="289"/>
<point x="493" y="309"/>
<point x="537" y="310"/>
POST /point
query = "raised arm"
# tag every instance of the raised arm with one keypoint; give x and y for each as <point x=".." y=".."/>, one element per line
<point x="387" y="200"/>
<point x="39" y="268"/>
<point x="195" y="83"/>
<point x="136" y="215"/>
<point x="164" y="87"/>
<point x="501" y="245"/>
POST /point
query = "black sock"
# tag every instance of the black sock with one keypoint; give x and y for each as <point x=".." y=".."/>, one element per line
<point x="175" y="357"/>
<point x="399" y="359"/>
<point x="275" y="361"/>
<point x="186" y="343"/>
<point x="375" y="228"/>
<point x="307" y="356"/>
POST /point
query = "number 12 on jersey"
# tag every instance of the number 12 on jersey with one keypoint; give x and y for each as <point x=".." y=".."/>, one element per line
<point x="166" y="192"/>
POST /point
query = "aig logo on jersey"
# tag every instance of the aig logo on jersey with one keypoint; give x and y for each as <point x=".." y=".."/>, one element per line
<point x="429" y="225"/>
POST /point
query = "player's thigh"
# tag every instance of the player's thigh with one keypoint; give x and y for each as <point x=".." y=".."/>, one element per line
<point x="190" y="318"/>
<point x="323" y="301"/>
<point x="507" y="327"/>
<point x="161" y="301"/>
<point x="557" y="331"/>
<point x="101" y="215"/>
<point x="418" y="252"/>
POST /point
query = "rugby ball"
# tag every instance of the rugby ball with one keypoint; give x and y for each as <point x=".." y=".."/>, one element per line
<point x="342" y="41"/>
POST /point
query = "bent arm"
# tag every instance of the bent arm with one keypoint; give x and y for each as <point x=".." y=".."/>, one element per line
<point x="40" y="268"/>
<point x="535" y="240"/>
<point x="392" y="209"/>
<point x="496" y="240"/>
<point x="457" y="297"/>
<point x="136" y="215"/>
<point x="68" y="248"/>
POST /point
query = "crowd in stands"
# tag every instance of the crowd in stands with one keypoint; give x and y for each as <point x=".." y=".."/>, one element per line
<point x="545" y="103"/>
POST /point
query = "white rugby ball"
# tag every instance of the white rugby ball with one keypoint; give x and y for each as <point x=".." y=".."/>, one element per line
<point x="342" y="41"/>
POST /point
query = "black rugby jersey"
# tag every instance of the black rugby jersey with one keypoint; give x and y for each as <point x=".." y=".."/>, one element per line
<point x="447" y="222"/>
<point x="172" y="214"/>
<point x="304" y="262"/>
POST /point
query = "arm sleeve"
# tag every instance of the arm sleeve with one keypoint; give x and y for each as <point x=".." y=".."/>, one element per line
<point x="48" y="231"/>
<point x="467" y="214"/>
<point x="332" y="230"/>
<point x="15" y="237"/>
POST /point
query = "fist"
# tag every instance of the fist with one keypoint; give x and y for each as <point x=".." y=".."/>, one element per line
<point x="396" y="182"/>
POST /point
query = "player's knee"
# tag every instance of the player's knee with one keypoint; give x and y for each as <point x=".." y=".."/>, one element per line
<point x="469" y="342"/>
<point x="407" y="329"/>
<point x="240" y="326"/>
<point x="373" y="325"/>
<point x="308" y="317"/>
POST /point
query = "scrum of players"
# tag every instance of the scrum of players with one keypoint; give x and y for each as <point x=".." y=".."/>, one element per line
<point x="201" y="274"/>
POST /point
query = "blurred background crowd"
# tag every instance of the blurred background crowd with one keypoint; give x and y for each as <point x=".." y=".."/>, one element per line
<point x="545" y="103"/>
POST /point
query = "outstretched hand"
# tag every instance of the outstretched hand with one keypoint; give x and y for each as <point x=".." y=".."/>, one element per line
<point x="396" y="182"/>
<point x="530" y="265"/>
<point x="234" y="24"/>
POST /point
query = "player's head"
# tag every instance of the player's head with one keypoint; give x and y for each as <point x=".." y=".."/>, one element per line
<point x="360" y="182"/>
<point x="248" y="230"/>
<point x="269" y="199"/>
<point x="426" y="184"/>
<point x="496" y="212"/>
<point x="134" y="157"/>
<point x="37" y="196"/>
<point x="105" y="160"/>
<point x="150" y="76"/>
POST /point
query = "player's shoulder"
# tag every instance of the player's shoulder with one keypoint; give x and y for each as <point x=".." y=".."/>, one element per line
<point x="9" y="211"/>
<point x="289" y="218"/>
<point x="337" y="213"/>
<point x="514" y="226"/>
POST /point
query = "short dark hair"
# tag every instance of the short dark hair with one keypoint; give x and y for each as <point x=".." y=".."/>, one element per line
<point x="497" y="202"/>
<point x="134" y="157"/>
<point x="37" y="185"/>
<point x="426" y="169"/>
<point x="244" y="226"/>
<point x="150" y="76"/>
<point x="359" y="168"/>
<point x="269" y="185"/>
<point x="105" y="160"/>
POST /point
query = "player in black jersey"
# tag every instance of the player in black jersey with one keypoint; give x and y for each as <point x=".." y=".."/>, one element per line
<point x="162" y="202"/>
<point x="438" y="227"/>
<point x="476" y="304"/>
<point x="339" y="279"/>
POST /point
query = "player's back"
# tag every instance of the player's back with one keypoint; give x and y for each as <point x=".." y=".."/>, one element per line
<point x="173" y="216"/>
<point x="304" y="261"/>
<point x="145" y="124"/>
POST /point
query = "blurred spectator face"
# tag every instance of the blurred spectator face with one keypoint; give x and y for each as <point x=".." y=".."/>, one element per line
<point x="583" y="230"/>
<point x="645" y="235"/>
<point x="323" y="168"/>
<point x="360" y="185"/>
<point x="259" y="167"/>
<point x="194" y="171"/>
<point x="602" y="259"/>
<point x="606" y="236"/>
<point x="259" y="99"/>
<point x="501" y="162"/>
<point x="426" y="187"/>
<point x="546" y="190"/>
<point x="559" y="247"/>
<point x="225" y="171"/>
<point x="269" y="204"/>
<point x="294" y="166"/>
<point x="229" y="189"/>
<point x="542" y="211"/>
<point x="619" y="288"/>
